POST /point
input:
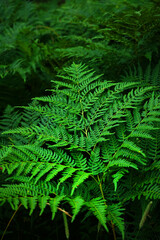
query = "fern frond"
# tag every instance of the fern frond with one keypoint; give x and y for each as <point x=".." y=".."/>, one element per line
<point x="114" y="212"/>
<point x="86" y="146"/>
<point x="54" y="203"/>
<point x="98" y="208"/>
<point x="78" y="179"/>
<point x="76" y="204"/>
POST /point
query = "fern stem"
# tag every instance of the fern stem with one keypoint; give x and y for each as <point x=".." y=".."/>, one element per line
<point x="113" y="230"/>
<point x="112" y="224"/>
<point x="10" y="221"/>
<point x="62" y="210"/>
<point x="85" y="131"/>
<point x="100" y="186"/>
<point x="66" y="213"/>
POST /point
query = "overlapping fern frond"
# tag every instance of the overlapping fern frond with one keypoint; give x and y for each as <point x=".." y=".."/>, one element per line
<point x="89" y="133"/>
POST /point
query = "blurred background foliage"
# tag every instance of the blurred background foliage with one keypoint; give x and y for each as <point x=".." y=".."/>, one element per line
<point x="39" y="38"/>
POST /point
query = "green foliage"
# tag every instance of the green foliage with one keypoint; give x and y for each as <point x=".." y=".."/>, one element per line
<point x="92" y="145"/>
<point x="109" y="34"/>
<point x="37" y="40"/>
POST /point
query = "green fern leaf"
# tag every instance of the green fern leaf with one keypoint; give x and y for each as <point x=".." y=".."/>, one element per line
<point x="98" y="208"/>
<point x="79" y="178"/>
<point x="42" y="203"/>
<point x="54" y="172"/>
<point x="66" y="174"/>
<point x="114" y="212"/>
<point x="54" y="202"/>
<point x="132" y="146"/>
<point x="32" y="201"/>
<point x="76" y="204"/>
<point x="24" y="201"/>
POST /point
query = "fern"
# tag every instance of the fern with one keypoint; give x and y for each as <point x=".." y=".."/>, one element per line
<point x="84" y="146"/>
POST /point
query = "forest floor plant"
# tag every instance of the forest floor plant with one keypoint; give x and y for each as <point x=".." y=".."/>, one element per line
<point x="91" y="147"/>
